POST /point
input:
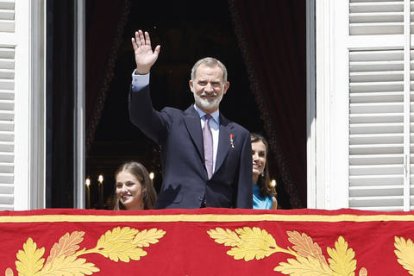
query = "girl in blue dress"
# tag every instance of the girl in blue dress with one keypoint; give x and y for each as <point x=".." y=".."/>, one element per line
<point x="264" y="193"/>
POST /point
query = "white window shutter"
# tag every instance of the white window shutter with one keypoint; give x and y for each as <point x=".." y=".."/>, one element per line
<point x="376" y="129"/>
<point x="376" y="17"/>
<point x="364" y="130"/>
<point x="22" y="53"/>
<point x="378" y="105"/>
<point x="7" y="104"/>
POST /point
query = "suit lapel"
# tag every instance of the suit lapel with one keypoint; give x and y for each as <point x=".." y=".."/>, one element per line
<point x="224" y="142"/>
<point x="192" y="122"/>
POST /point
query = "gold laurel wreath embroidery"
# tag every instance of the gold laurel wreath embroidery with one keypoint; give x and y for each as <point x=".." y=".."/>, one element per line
<point x="254" y="243"/>
<point x="404" y="250"/>
<point x="119" y="244"/>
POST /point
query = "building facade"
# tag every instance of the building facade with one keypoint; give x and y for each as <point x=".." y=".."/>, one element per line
<point x="359" y="104"/>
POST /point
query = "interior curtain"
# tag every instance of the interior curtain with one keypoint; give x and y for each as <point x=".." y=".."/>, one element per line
<point x="105" y="23"/>
<point x="272" y="38"/>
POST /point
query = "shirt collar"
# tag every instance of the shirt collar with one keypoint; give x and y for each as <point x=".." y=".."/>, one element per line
<point x="201" y="113"/>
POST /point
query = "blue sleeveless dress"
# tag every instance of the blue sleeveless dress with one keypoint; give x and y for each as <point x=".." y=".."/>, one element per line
<point x="261" y="202"/>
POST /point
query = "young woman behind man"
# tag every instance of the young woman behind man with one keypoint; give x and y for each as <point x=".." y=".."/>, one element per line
<point x="264" y="194"/>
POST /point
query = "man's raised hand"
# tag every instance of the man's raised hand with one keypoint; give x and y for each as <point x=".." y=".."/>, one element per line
<point x="145" y="57"/>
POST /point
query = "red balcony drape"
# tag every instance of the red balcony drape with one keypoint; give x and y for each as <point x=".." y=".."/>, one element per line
<point x="206" y="242"/>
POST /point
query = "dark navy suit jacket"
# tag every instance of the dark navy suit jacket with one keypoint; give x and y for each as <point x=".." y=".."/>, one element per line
<point x="185" y="181"/>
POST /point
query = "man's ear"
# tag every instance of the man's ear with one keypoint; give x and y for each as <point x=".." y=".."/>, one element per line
<point x="226" y="87"/>
<point x="190" y="84"/>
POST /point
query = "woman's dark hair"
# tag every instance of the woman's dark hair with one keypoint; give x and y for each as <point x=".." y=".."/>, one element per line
<point x="141" y="173"/>
<point x="266" y="189"/>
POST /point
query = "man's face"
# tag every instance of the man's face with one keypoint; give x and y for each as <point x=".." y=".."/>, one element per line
<point x="208" y="87"/>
